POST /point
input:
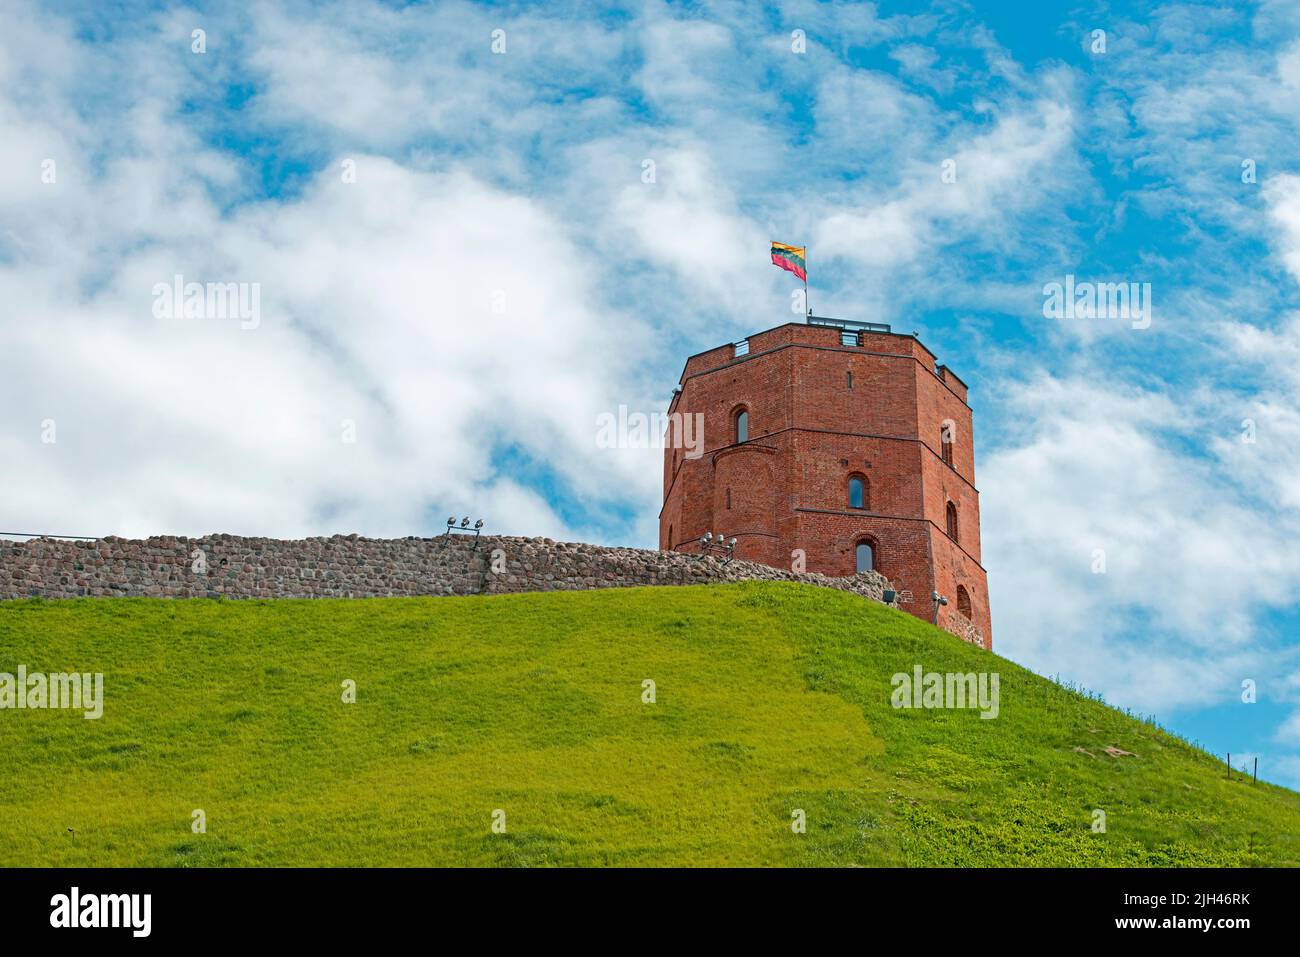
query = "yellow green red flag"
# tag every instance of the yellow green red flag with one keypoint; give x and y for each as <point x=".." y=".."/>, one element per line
<point x="790" y="258"/>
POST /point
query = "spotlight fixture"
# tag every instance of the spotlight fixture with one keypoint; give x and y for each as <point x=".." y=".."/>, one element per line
<point x="463" y="529"/>
<point x="889" y="596"/>
<point x="711" y="542"/>
<point x="938" y="600"/>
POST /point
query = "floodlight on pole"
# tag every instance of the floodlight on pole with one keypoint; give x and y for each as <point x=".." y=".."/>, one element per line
<point x="716" y="541"/>
<point x="463" y="529"/>
<point x="938" y="600"/>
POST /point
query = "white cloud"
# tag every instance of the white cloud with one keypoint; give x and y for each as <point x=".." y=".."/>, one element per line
<point x="1000" y="173"/>
<point x="378" y="306"/>
<point x="1189" y="562"/>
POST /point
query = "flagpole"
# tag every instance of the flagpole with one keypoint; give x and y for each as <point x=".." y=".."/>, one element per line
<point x="806" y="304"/>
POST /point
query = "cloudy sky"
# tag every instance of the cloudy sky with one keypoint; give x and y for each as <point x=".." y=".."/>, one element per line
<point x="474" y="229"/>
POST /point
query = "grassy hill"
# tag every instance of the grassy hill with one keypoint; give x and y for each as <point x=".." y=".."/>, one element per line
<point x="769" y="697"/>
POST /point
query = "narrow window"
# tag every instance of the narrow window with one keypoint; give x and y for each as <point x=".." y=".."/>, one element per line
<point x="859" y="492"/>
<point x="865" y="555"/>
<point x="952" y="521"/>
<point x="742" y="426"/>
<point x="670" y="538"/>
<point x="728" y="499"/>
<point x="963" y="602"/>
<point x="945" y="445"/>
<point x="850" y="380"/>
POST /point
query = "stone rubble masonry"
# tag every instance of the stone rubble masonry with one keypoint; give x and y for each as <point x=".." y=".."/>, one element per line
<point x="349" y="566"/>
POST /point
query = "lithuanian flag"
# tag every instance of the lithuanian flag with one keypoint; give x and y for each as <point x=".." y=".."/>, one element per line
<point x="790" y="258"/>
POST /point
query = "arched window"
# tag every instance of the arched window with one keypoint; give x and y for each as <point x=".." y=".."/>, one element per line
<point x="963" y="602"/>
<point x="864" y="555"/>
<point x="859" y="492"/>
<point x="742" y="425"/>
<point x="945" y="445"/>
<point x="952" y="521"/>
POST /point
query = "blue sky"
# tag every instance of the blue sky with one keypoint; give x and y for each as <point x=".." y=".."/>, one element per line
<point x="498" y="272"/>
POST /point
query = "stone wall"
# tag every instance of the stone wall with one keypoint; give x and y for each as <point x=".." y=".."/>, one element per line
<point x="954" y="622"/>
<point x="230" y="566"/>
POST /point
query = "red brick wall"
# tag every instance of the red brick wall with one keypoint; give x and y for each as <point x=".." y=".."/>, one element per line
<point x="810" y="429"/>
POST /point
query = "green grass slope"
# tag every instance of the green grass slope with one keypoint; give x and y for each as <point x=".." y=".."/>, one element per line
<point x="770" y="697"/>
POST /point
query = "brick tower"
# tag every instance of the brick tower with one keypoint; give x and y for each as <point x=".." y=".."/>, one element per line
<point x="842" y="439"/>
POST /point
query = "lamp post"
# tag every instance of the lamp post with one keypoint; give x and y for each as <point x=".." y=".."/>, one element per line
<point x="938" y="600"/>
